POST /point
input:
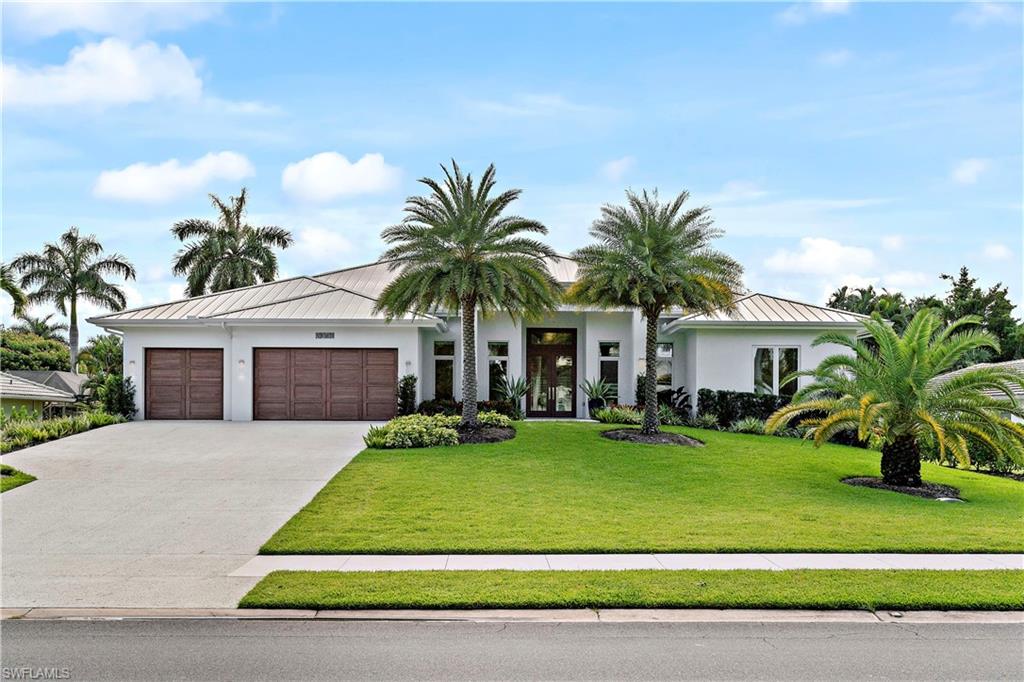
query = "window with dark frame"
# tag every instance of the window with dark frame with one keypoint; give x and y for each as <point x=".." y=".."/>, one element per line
<point x="497" y="368"/>
<point x="444" y="370"/>
<point x="609" y="364"/>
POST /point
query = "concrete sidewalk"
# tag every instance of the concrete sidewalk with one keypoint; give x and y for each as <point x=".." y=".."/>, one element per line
<point x="262" y="565"/>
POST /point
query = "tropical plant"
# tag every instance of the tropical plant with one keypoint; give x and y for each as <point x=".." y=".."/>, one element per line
<point x="117" y="395"/>
<point x="227" y="253"/>
<point x="706" y="420"/>
<point x="41" y="327"/>
<point x="513" y="391"/>
<point x="28" y="351"/>
<point x="9" y="283"/>
<point x="72" y="270"/>
<point x="103" y="354"/>
<point x="747" y="425"/>
<point x="619" y="414"/>
<point x="597" y="389"/>
<point x="406" y="395"/>
<point x="886" y="391"/>
<point x="455" y="250"/>
<point x="652" y="256"/>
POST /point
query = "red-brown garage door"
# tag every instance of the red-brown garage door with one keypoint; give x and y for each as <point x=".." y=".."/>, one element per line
<point x="184" y="383"/>
<point x="329" y="383"/>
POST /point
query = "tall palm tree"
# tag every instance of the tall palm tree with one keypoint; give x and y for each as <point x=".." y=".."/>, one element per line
<point x="653" y="256"/>
<point x="227" y="253"/>
<point x="885" y="390"/>
<point x="70" y="270"/>
<point x="9" y="283"/>
<point x="42" y="327"/>
<point x="455" y="250"/>
<point x="103" y="354"/>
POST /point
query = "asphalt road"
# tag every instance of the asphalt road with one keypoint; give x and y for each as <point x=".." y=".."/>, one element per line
<point x="312" y="650"/>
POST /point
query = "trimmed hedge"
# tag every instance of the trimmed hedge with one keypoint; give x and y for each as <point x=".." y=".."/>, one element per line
<point x="732" y="406"/>
<point x="425" y="431"/>
<point x="452" y="407"/>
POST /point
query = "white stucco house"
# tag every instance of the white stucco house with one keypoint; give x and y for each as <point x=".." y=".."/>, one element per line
<point x="311" y="347"/>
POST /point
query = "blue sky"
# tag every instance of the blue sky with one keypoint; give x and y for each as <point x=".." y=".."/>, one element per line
<point x="835" y="142"/>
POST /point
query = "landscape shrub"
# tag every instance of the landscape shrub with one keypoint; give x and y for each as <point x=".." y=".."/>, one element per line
<point x="20" y="433"/>
<point x="748" y="425"/>
<point x="28" y="351"/>
<point x="117" y="395"/>
<point x="732" y="406"/>
<point x="619" y="414"/>
<point x="669" y="416"/>
<point x="425" y="431"/>
<point x="705" y="421"/>
<point x="406" y="395"/>
<point x="452" y="407"/>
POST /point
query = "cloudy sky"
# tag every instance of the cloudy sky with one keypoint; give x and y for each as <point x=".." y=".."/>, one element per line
<point x="835" y="142"/>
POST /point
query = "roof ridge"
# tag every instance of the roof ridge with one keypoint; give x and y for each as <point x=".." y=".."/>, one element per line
<point x="379" y="261"/>
<point x="721" y="307"/>
<point x="334" y="289"/>
<point x="34" y="383"/>
<point x="812" y="305"/>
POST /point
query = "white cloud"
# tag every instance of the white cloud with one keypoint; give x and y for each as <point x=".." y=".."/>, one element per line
<point x="737" y="190"/>
<point x="820" y="256"/>
<point x="33" y="20"/>
<point x="996" y="251"/>
<point x="320" y="245"/>
<point x="171" y="179"/>
<point x="968" y="171"/>
<point x="106" y="73"/>
<point x="329" y="175"/>
<point x="529" y="106"/>
<point x="616" y="170"/>
<point x="839" y="57"/>
<point x="893" y="242"/>
<point x="803" y="12"/>
<point x="981" y="14"/>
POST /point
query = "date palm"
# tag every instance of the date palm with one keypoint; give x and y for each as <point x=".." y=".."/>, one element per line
<point x="70" y="270"/>
<point x="9" y="283"/>
<point x="653" y="256"/>
<point x="42" y="327"/>
<point x="885" y="391"/>
<point x="227" y="253"/>
<point x="454" y="250"/>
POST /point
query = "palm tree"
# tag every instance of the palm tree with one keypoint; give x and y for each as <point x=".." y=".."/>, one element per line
<point x="885" y="391"/>
<point x="455" y="250"/>
<point x="652" y="256"/>
<point x="228" y="253"/>
<point x="70" y="270"/>
<point x="10" y="286"/>
<point x="103" y="354"/>
<point x="42" y="327"/>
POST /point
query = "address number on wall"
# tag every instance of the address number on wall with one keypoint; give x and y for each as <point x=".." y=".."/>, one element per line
<point x="324" y="335"/>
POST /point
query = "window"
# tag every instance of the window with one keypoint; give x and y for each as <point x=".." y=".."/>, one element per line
<point x="539" y="337"/>
<point x="771" y="366"/>
<point x="609" y="352"/>
<point x="497" y="368"/>
<point x="444" y="370"/>
<point x="665" y="351"/>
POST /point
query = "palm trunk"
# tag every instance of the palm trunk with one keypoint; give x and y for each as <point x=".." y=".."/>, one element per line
<point x="901" y="462"/>
<point x="469" y="409"/>
<point x="651" y="376"/>
<point x="73" y="335"/>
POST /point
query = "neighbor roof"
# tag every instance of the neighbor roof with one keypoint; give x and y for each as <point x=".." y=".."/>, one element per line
<point x="754" y="308"/>
<point x="68" y="382"/>
<point x="1013" y="365"/>
<point x="12" y="387"/>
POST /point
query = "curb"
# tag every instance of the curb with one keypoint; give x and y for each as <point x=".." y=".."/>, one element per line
<point x="525" y="615"/>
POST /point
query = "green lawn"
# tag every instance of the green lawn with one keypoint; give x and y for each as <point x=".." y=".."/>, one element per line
<point x="12" y="478"/>
<point x="560" y="487"/>
<point x="809" y="589"/>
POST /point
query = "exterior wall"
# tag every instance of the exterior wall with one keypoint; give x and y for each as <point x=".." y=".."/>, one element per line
<point x="238" y="343"/>
<point x="8" y="404"/>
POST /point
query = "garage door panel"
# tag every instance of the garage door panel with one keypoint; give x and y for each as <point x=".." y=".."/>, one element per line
<point x="379" y="394"/>
<point x="348" y="411"/>
<point x="346" y="375"/>
<point x="309" y="411"/>
<point x="269" y="358"/>
<point x="271" y="410"/>
<point x="184" y="383"/>
<point x="308" y="393"/>
<point x="308" y="375"/>
<point x="350" y="357"/>
<point x="379" y="411"/>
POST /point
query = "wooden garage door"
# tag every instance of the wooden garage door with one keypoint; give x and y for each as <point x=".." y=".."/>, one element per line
<point x="184" y="383"/>
<point x="324" y="383"/>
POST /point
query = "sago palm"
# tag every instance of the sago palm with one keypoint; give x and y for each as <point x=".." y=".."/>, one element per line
<point x="9" y="283"/>
<point x="454" y="250"/>
<point x="42" y="327"/>
<point x="70" y="270"/>
<point x="227" y="253"/>
<point x="884" y="390"/>
<point x="653" y="256"/>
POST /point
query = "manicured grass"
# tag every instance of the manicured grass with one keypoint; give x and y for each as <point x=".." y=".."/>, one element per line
<point x="560" y="487"/>
<point x="11" y="478"/>
<point x="804" y="589"/>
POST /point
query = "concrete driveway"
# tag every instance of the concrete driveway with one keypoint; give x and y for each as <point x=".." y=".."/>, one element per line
<point x="158" y="514"/>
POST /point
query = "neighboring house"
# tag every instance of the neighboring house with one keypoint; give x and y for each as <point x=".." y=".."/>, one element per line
<point x="69" y="382"/>
<point x="16" y="392"/>
<point x="312" y="348"/>
<point x="1015" y="365"/>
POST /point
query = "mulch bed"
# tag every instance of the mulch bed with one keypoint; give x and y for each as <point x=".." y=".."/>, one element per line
<point x="931" y="491"/>
<point x="662" y="438"/>
<point x="489" y="434"/>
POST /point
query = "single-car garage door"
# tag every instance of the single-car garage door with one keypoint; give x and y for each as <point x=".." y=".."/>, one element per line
<point x="329" y="383"/>
<point x="184" y="383"/>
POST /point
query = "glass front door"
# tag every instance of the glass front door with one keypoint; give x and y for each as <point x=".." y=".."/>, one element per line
<point x="551" y="372"/>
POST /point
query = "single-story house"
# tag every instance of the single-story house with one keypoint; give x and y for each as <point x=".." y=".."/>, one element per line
<point x="69" y="382"/>
<point x="311" y="347"/>
<point x="1013" y="365"/>
<point x="16" y="392"/>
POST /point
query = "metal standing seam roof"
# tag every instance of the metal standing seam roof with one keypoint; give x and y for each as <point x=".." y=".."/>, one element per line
<point x="23" y="389"/>
<point x="757" y="308"/>
<point x="1013" y="365"/>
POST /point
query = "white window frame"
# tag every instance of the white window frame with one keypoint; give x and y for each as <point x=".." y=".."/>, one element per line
<point x="601" y="359"/>
<point x="495" y="358"/>
<point x="436" y="357"/>
<point x="776" y="357"/>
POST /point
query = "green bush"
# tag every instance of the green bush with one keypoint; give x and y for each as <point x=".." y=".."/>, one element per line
<point x="117" y="395"/>
<point x="407" y="395"/>
<point x="22" y="433"/>
<point x="425" y="431"/>
<point x="706" y="421"/>
<point x="748" y="425"/>
<point x="619" y="414"/>
<point x="28" y="351"/>
<point x="451" y="407"/>
<point x="495" y="420"/>
<point x="732" y="406"/>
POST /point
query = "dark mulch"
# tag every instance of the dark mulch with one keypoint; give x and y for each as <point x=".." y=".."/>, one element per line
<point x="663" y="438"/>
<point x="488" y="434"/>
<point x="931" y="491"/>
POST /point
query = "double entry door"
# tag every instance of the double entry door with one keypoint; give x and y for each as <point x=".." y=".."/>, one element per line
<point x="551" y="372"/>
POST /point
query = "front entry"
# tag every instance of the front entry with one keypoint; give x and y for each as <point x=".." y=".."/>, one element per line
<point x="551" y="372"/>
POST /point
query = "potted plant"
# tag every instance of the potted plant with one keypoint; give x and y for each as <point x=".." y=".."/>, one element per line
<point x="597" y="391"/>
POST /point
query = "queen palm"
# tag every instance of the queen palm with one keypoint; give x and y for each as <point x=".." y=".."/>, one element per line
<point x="885" y="390"/>
<point x="70" y="270"/>
<point x="227" y="253"/>
<point x="42" y="327"/>
<point x="454" y="250"/>
<point x="9" y="283"/>
<point x="653" y="256"/>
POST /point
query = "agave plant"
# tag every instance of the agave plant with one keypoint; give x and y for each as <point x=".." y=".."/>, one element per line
<point x="886" y="391"/>
<point x="514" y="390"/>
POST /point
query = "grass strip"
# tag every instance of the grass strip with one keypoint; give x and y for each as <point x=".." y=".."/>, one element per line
<point x="11" y="478"/>
<point x="796" y="589"/>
